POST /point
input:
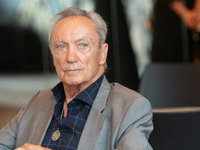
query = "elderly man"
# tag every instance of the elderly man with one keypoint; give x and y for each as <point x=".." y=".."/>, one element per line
<point x="83" y="111"/>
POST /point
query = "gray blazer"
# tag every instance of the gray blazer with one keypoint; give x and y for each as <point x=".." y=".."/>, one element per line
<point x="120" y="119"/>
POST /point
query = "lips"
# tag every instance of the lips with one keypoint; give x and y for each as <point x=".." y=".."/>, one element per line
<point x="73" y="70"/>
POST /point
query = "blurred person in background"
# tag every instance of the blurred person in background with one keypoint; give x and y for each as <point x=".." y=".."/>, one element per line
<point x="174" y="22"/>
<point x="140" y="30"/>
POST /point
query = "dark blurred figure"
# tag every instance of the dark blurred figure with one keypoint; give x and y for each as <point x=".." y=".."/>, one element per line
<point x="121" y="59"/>
<point x="174" y="23"/>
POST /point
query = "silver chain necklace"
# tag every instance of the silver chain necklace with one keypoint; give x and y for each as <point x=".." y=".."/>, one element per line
<point x="56" y="134"/>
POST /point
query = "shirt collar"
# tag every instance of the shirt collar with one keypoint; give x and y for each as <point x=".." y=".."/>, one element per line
<point x="88" y="95"/>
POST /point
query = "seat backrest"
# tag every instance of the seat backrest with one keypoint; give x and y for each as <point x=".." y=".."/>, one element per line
<point x="171" y="85"/>
<point x="176" y="130"/>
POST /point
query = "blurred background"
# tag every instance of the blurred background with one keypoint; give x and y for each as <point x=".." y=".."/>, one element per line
<point x="141" y="33"/>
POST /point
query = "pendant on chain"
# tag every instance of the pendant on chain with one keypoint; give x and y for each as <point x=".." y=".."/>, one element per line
<point x="56" y="135"/>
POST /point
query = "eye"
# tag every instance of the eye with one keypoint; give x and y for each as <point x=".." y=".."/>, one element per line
<point x="60" y="46"/>
<point x="83" y="45"/>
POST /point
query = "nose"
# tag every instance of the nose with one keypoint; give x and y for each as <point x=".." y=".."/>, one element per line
<point x="71" y="55"/>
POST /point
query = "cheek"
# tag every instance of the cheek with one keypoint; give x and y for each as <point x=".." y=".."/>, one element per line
<point x="57" y="63"/>
<point x="93" y="64"/>
<point x="58" y="59"/>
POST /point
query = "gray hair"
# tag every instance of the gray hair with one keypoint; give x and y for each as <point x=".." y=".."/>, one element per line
<point x="99" y="22"/>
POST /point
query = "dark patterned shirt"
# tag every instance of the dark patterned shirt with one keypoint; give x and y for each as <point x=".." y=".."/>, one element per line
<point x="72" y="125"/>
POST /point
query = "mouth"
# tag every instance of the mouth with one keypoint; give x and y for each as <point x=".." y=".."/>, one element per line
<point x="72" y="71"/>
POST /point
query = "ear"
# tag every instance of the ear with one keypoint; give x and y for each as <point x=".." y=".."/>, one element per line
<point x="103" y="53"/>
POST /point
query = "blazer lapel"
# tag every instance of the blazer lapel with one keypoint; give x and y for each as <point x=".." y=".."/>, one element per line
<point x="44" y="121"/>
<point x="95" y="118"/>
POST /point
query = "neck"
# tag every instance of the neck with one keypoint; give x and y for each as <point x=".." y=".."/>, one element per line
<point x="72" y="91"/>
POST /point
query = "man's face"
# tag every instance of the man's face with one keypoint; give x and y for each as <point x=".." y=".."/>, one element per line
<point x="75" y="49"/>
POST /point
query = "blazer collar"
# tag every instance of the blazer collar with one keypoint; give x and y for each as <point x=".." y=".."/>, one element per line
<point x="95" y="117"/>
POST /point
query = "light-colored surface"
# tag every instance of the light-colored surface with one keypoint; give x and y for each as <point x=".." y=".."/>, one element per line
<point x="176" y="110"/>
<point x="16" y="90"/>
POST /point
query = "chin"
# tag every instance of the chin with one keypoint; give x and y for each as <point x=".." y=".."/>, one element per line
<point x="72" y="81"/>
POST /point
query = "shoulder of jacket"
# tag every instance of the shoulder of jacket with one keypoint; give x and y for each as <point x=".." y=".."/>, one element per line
<point x="119" y="89"/>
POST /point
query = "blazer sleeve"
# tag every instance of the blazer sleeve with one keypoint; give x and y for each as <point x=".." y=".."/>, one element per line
<point x="136" y="127"/>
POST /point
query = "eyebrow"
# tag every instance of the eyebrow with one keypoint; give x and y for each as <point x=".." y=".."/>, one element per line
<point x="83" y="38"/>
<point x="78" y="40"/>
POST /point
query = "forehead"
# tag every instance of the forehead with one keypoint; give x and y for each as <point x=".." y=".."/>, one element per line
<point x="74" y="25"/>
